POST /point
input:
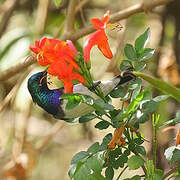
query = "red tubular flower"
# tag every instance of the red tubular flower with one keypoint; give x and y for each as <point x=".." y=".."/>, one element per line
<point x="49" y="50"/>
<point x="98" y="38"/>
<point x="60" y="56"/>
<point x="66" y="74"/>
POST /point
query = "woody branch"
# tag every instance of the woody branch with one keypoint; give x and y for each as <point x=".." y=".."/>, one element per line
<point x="138" y="8"/>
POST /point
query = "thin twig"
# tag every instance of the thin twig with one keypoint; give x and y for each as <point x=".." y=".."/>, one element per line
<point x="20" y="137"/>
<point x="7" y="15"/>
<point x="54" y="130"/>
<point x="171" y="171"/>
<point x="77" y="9"/>
<point x="42" y="12"/>
<point x="69" y="25"/>
<point x="13" y="91"/>
<point x="115" y="17"/>
<point x="82" y="16"/>
<point x="123" y="14"/>
<point x="25" y="123"/>
<point x="81" y="4"/>
<point x="4" y="75"/>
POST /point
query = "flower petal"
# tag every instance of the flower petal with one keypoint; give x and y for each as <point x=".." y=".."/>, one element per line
<point x="105" y="49"/>
<point x="97" y="23"/>
<point x="105" y="19"/>
<point x="72" y="47"/>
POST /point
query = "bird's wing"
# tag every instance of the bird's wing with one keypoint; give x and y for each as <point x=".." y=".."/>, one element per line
<point x="83" y="109"/>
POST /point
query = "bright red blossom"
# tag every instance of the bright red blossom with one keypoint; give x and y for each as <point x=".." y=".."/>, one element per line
<point x="49" y="50"/>
<point x="66" y="74"/>
<point x="60" y="56"/>
<point x="98" y="38"/>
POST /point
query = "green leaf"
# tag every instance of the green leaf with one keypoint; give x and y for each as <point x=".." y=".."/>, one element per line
<point x="123" y="158"/>
<point x="121" y="161"/>
<point x="169" y="152"/>
<point x="126" y="97"/>
<point x="135" y="103"/>
<point x="94" y="176"/>
<point x="86" y="118"/>
<point x="173" y="121"/>
<point x="125" y="65"/>
<point x="72" y="170"/>
<point x="140" y="150"/>
<point x="134" y="84"/>
<point x="71" y="104"/>
<point x="116" y="152"/>
<point x="161" y="85"/>
<point x="136" y="177"/>
<point x="161" y="98"/>
<point x="142" y="40"/>
<point x="176" y="155"/>
<point x="177" y="177"/>
<point x="118" y="92"/>
<point x="127" y="152"/>
<point x="135" y="92"/>
<point x="105" y="142"/>
<point x="96" y="162"/>
<point x="102" y="125"/>
<point x="99" y="104"/>
<point x="131" y="146"/>
<point x="109" y="173"/>
<point x="140" y="65"/>
<point x="147" y="53"/>
<point x="178" y="167"/>
<point x="82" y="171"/>
<point x="138" y="141"/>
<point x="57" y="2"/>
<point x="73" y="100"/>
<point x="149" y="106"/>
<point x="130" y="109"/>
<point x="94" y="148"/>
<point x="135" y="162"/>
<point x="158" y="174"/>
<point x="130" y="52"/>
<point x="91" y="167"/>
<point x="79" y="156"/>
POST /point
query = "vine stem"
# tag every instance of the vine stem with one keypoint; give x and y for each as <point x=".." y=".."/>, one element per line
<point x="155" y="118"/>
<point x="122" y="172"/>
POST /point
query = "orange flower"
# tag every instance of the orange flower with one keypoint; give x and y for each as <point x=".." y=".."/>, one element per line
<point x="50" y="50"/>
<point x="178" y="138"/>
<point x="60" y="56"/>
<point x="117" y="138"/>
<point x="98" y="38"/>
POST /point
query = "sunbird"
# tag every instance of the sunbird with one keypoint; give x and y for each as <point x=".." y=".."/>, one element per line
<point x="50" y="99"/>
